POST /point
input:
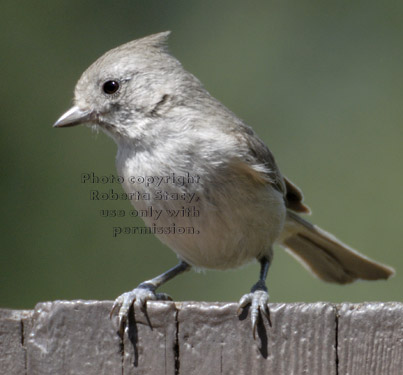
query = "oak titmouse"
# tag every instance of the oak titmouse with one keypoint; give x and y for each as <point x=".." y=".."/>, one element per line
<point x="166" y="124"/>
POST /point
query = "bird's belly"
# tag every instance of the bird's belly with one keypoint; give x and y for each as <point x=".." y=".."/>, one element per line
<point x="225" y="234"/>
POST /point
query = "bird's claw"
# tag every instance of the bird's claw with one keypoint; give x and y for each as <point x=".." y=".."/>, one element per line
<point x="259" y="305"/>
<point x="137" y="297"/>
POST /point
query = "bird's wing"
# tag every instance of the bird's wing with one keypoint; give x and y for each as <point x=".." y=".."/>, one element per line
<point x="293" y="196"/>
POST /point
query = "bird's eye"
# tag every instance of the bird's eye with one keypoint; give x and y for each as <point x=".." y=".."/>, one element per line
<point x="110" y="87"/>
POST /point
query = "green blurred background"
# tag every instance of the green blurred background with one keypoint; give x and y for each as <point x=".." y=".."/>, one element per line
<point x="320" y="81"/>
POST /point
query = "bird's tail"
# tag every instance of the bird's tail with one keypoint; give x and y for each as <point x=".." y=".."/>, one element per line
<point x="326" y="256"/>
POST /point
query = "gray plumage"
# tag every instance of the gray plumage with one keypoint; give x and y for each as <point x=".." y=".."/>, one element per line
<point x="163" y="121"/>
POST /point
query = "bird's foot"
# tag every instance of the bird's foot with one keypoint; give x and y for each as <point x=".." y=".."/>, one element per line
<point x="258" y="298"/>
<point x="137" y="297"/>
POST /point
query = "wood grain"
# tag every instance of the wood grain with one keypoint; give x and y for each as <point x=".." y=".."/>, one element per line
<point x="77" y="337"/>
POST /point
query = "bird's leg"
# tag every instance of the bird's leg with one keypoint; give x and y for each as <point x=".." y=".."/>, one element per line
<point x="258" y="297"/>
<point x="145" y="292"/>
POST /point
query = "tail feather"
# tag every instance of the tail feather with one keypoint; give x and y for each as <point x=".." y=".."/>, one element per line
<point x="326" y="256"/>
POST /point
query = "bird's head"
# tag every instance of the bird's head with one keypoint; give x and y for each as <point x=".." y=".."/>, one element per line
<point x="128" y="87"/>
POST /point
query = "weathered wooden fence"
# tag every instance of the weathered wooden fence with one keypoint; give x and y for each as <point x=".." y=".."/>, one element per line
<point x="77" y="337"/>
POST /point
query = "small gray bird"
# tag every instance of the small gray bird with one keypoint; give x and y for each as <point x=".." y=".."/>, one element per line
<point x="166" y="124"/>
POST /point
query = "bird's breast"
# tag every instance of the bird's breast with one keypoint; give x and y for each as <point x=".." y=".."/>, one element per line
<point x="210" y="222"/>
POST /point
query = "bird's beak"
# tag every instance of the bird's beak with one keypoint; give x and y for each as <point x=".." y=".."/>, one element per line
<point x="74" y="116"/>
